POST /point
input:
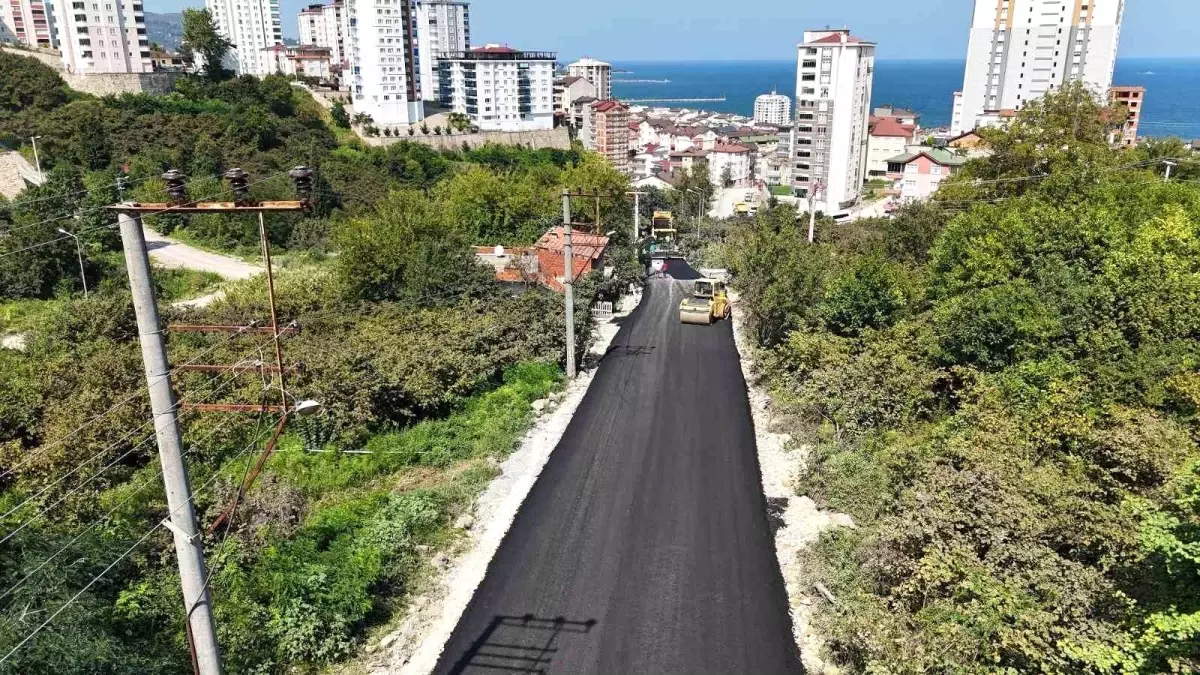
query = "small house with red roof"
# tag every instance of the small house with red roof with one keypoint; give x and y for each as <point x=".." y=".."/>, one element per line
<point x="544" y="263"/>
<point x="887" y="137"/>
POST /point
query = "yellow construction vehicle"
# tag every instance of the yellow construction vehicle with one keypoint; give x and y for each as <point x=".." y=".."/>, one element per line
<point x="709" y="302"/>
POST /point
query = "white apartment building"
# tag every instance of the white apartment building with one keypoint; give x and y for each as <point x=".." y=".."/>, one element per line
<point x="27" y="21"/>
<point x="1020" y="49"/>
<point x="773" y="108"/>
<point x="384" y="69"/>
<point x="834" y="76"/>
<point x="252" y="26"/>
<point x="442" y="26"/>
<point x="102" y="36"/>
<point x="598" y="73"/>
<point x="326" y="26"/>
<point x="499" y="88"/>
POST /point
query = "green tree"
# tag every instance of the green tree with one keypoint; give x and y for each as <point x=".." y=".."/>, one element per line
<point x="201" y="36"/>
<point x="29" y="85"/>
<point x="340" y="116"/>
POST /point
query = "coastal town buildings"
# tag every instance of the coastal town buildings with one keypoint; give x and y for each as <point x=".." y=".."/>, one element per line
<point x="1020" y="49"/>
<point x="567" y="90"/>
<point x="28" y="22"/>
<point x="606" y="131"/>
<point x="919" y="173"/>
<point x="597" y="72"/>
<point x="773" y="108"/>
<point x="1133" y="99"/>
<point x="887" y="136"/>
<point x="102" y="37"/>
<point x="301" y="61"/>
<point x="326" y="26"/>
<point x="730" y="165"/>
<point x="252" y="26"/>
<point x="384" y="76"/>
<point x="834" y="78"/>
<point x="442" y="26"/>
<point x="499" y="88"/>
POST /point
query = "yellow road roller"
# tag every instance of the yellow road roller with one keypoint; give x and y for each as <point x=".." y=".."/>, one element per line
<point x="709" y="302"/>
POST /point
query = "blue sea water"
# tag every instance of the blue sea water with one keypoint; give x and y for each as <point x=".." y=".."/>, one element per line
<point x="1172" y="87"/>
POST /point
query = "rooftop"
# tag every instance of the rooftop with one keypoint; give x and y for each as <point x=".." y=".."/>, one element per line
<point x="730" y="148"/>
<point x="496" y="52"/>
<point x="840" y="38"/>
<point x="935" y="155"/>
<point x="583" y="244"/>
<point x="588" y="61"/>
<point x="890" y="127"/>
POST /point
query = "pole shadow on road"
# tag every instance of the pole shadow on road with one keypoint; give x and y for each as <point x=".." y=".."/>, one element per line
<point x="518" y="644"/>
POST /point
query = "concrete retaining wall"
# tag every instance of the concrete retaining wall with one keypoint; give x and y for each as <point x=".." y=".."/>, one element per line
<point x="553" y="138"/>
<point x="103" y="84"/>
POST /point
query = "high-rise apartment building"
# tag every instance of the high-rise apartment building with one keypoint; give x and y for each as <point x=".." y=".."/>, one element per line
<point x="598" y="73"/>
<point x="28" y="22"/>
<point x="1133" y="98"/>
<point x="252" y="26"/>
<point x="834" y="76"/>
<point x="384" y="67"/>
<point x="499" y="88"/>
<point x="1020" y="49"/>
<point x="102" y="36"/>
<point x="773" y="108"/>
<point x="326" y="26"/>
<point x="442" y="26"/>
<point x="606" y="131"/>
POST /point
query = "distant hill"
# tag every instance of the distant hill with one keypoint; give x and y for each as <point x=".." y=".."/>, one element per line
<point x="165" y="29"/>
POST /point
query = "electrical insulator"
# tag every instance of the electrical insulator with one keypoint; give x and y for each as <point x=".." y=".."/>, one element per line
<point x="176" y="188"/>
<point x="239" y="182"/>
<point x="302" y="177"/>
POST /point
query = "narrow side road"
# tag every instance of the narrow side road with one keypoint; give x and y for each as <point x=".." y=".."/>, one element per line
<point x="644" y="547"/>
<point x="174" y="254"/>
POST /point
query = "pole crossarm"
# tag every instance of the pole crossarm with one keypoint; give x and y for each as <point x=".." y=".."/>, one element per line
<point x="210" y="207"/>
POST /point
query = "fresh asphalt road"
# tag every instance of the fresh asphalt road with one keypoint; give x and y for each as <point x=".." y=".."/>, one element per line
<point x="644" y="547"/>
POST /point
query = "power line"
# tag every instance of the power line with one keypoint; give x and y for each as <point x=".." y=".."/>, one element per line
<point x="119" y="184"/>
<point x="103" y="227"/>
<point x="45" y="447"/>
<point x="108" y="466"/>
<point x="188" y="502"/>
<point x="107" y="516"/>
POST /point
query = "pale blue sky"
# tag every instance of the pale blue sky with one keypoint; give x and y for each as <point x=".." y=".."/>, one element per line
<point x="762" y="29"/>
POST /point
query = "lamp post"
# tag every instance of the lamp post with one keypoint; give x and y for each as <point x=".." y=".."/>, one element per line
<point x="78" y="254"/>
<point x="36" y="160"/>
<point x="699" y="198"/>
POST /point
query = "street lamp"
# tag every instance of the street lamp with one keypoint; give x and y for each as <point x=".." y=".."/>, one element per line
<point x="36" y="159"/>
<point x="79" y="254"/>
<point x="699" y="204"/>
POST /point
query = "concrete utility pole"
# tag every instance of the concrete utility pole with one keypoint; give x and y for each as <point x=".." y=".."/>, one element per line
<point x="182" y="518"/>
<point x="36" y="160"/>
<point x="637" y="214"/>
<point x="818" y="185"/>
<point x="568" y="286"/>
<point x="1170" y="164"/>
<point x="78" y="254"/>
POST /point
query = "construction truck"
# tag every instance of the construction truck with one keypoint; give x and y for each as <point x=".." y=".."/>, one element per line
<point x="709" y="302"/>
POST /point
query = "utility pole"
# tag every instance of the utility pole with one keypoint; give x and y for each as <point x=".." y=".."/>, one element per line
<point x="637" y="214"/>
<point x="818" y="186"/>
<point x="182" y="519"/>
<point x="568" y="287"/>
<point x="1170" y="164"/>
<point x="36" y="160"/>
<point x="78" y="254"/>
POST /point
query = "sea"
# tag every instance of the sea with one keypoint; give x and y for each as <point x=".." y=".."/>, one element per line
<point x="1172" y="105"/>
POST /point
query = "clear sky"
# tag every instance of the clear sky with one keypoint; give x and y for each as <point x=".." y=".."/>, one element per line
<point x="630" y="30"/>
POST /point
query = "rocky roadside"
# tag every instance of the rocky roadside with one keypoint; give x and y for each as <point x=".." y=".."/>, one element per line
<point x="795" y="519"/>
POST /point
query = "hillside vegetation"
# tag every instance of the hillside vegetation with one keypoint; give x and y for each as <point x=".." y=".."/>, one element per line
<point x="425" y="369"/>
<point x="1001" y="388"/>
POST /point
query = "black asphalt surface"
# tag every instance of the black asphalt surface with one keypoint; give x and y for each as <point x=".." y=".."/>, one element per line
<point x="644" y="547"/>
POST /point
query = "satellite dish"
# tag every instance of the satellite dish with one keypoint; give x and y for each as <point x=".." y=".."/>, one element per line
<point x="499" y="252"/>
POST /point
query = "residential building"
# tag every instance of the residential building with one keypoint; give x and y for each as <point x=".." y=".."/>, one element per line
<point x="919" y="173"/>
<point x="969" y="143"/>
<point x="301" y="61"/>
<point x="326" y="26"/>
<point x="569" y="89"/>
<point x="730" y="162"/>
<point x="886" y="138"/>
<point x="29" y="22"/>
<point x="587" y="254"/>
<point x="102" y="36"/>
<point x="499" y="88"/>
<point x="834" y="77"/>
<point x="168" y="61"/>
<point x="902" y="115"/>
<point x="384" y="76"/>
<point x="252" y="26"/>
<point x="1020" y="49"/>
<point x="607" y="133"/>
<point x="773" y="108"/>
<point x="442" y="26"/>
<point x="598" y="73"/>
<point x="1132" y="98"/>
